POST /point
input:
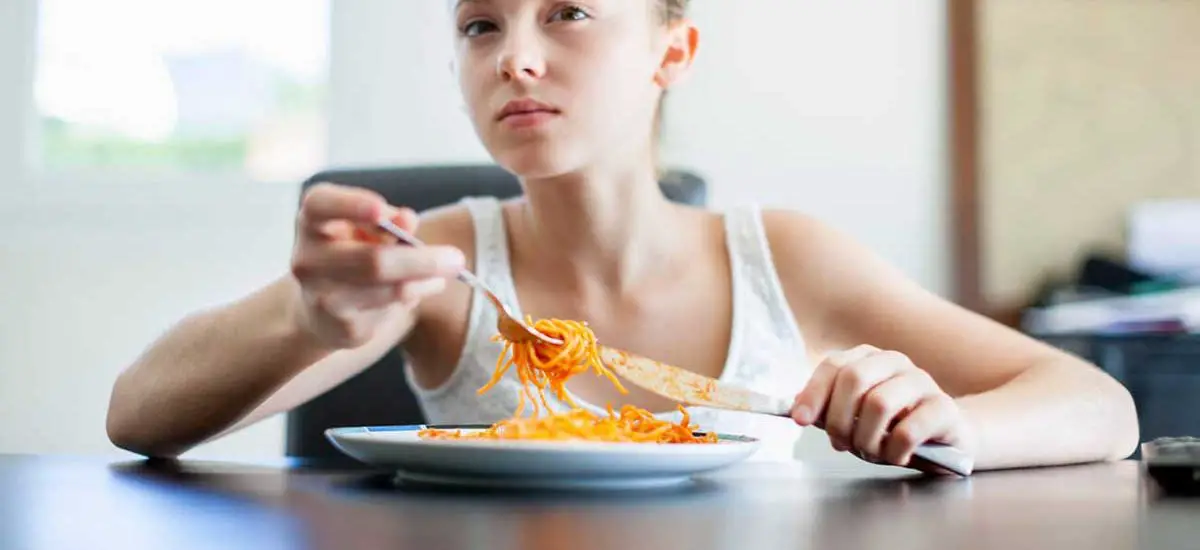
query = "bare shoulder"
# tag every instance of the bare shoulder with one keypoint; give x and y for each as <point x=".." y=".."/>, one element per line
<point x="829" y="276"/>
<point x="448" y="225"/>
<point x="810" y="252"/>
<point x="845" y="294"/>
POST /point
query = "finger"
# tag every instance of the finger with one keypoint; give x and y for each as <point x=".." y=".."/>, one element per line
<point x="811" y="401"/>
<point x="809" y="405"/>
<point x="404" y="218"/>
<point x="413" y="292"/>
<point x="851" y="385"/>
<point x="885" y="403"/>
<point x="343" y="301"/>
<point x="931" y="419"/>
<point x="326" y="202"/>
<point x="852" y="355"/>
<point x="358" y="264"/>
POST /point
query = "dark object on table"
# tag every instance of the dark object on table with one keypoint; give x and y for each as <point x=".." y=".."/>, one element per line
<point x="1174" y="464"/>
<point x="1102" y="272"/>
<point x="1098" y="277"/>
<point x="380" y="394"/>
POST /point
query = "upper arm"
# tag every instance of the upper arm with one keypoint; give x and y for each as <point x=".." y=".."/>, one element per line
<point x="849" y="296"/>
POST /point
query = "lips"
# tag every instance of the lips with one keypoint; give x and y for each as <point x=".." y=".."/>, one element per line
<point x="525" y="107"/>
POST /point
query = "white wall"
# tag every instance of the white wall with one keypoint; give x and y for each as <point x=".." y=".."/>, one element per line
<point x="810" y="105"/>
<point x="822" y="107"/>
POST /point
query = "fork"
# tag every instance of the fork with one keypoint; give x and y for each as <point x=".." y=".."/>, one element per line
<point x="509" y="325"/>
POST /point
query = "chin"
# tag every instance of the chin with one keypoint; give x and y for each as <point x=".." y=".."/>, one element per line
<point x="536" y="160"/>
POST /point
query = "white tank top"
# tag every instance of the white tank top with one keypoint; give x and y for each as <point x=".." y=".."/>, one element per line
<point x="766" y="353"/>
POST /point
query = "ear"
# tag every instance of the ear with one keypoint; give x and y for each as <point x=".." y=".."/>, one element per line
<point x="683" y="38"/>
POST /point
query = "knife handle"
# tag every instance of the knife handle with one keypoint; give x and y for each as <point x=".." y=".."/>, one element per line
<point x="940" y="455"/>
<point x="946" y="457"/>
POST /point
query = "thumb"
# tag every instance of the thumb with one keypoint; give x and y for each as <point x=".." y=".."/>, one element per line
<point x="405" y="218"/>
<point x="809" y="405"/>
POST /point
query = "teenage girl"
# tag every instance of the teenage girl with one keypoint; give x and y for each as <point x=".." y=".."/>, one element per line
<point x="566" y="95"/>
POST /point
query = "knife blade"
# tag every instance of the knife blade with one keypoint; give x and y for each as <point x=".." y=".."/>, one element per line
<point x="691" y="388"/>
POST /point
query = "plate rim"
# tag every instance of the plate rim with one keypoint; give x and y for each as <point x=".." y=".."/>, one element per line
<point x="600" y="463"/>
<point x="726" y="440"/>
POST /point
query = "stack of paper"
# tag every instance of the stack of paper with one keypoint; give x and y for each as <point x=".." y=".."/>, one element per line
<point x="1179" y="309"/>
<point x="1164" y="238"/>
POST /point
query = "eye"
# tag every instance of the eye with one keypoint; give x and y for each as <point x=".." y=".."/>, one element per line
<point x="477" y="27"/>
<point x="570" y="13"/>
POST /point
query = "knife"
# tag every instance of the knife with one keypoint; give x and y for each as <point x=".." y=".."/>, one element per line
<point x="696" y="389"/>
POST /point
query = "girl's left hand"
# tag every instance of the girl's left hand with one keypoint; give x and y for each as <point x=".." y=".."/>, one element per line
<point x="880" y="406"/>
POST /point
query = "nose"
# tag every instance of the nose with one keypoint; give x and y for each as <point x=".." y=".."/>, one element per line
<point x="522" y="57"/>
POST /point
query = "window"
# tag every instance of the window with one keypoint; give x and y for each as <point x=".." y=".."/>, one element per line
<point x="212" y="87"/>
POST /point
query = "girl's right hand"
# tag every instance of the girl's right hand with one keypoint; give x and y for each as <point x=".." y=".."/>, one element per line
<point x="352" y="275"/>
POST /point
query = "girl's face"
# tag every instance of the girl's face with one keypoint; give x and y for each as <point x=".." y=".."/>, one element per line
<point x="554" y="87"/>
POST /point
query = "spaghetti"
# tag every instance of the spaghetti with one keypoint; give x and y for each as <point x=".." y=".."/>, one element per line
<point x="631" y="425"/>
<point x="540" y="364"/>
<point x="541" y="367"/>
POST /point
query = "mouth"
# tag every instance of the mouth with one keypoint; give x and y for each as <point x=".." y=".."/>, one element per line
<point x="526" y="110"/>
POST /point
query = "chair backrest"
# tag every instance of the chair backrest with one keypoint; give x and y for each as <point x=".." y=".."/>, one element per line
<point x="380" y="394"/>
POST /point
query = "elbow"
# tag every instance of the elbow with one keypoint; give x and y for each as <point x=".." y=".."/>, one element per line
<point x="122" y="435"/>
<point x="1107" y="413"/>
<point x="1125" y="426"/>
<point x="128" y="436"/>
<point x="126" y="432"/>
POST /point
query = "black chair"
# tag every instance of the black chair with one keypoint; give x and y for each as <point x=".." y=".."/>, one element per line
<point x="380" y="394"/>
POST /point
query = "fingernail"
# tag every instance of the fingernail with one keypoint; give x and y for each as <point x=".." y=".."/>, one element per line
<point x="404" y="218"/>
<point x="371" y="211"/>
<point x="802" y="414"/>
<point x="450" y="258"/>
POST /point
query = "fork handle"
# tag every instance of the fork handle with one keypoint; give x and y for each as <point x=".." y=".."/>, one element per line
<point x="408" y="238"/>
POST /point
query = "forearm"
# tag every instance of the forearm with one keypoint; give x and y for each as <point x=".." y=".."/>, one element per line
<point x="209" y="371"/>
<point x="1053" y="413"/>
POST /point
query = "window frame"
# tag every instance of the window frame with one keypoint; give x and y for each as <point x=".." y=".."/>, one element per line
<point x="27" y="190"/>
<point x="365" y="123"/>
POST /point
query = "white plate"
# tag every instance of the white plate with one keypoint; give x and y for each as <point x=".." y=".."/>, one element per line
<point x="535" y="464"/>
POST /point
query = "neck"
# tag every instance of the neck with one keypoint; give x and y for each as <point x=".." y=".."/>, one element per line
<point x="600" y="227"/>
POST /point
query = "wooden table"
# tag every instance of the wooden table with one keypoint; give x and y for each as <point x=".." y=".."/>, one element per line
<point x="77" y="503"/>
